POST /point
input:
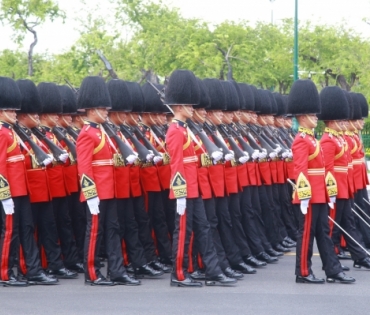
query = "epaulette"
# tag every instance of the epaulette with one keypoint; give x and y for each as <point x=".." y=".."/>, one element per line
<point x="180" y="123"/>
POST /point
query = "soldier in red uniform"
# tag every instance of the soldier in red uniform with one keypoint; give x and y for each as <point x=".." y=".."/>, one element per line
<point x="38" y="182"/>
<point x="62" y="175"/>
<point x="76" y="208"/>
<point x="16" y="211"/>
<point x="149" y="175"/>
<point x="311" y="192"/>
<point x="121" y="103"/>
<point x="96" y="173"/>
<point x="334" y="111"/>
<point x="355" y="125"/>
<point x="181" y="93"/>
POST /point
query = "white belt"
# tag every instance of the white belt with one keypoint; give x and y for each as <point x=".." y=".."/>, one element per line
<point x="316" y="171"/>
<point x="341" y="169"/>
<point x="357" y="162"/>
<point x="102" y="162"/>
<point x="190" y="159"/>
<point x="15" y="158"/>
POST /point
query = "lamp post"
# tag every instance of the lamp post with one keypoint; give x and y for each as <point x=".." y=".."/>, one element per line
<point x="295" y="68"/>
<point x="272" y="11"/>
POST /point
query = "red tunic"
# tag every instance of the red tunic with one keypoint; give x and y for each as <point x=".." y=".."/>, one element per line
<point x="95" y="160"/>
<point x="203" y="174"/>
<point x="309" y="161"/>
<point x="183" y="158"/>
<point x="13" y="182"/>
<point x="37" y="178"/>
<point x="351" y="147"/>
<point x="336" y="160"/>
<point x="148" y="172"/>
<point x="58" y="185"/>
<point x="359" y="167"/>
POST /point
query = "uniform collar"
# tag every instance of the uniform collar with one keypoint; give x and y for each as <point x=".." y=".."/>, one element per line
<point x="6" y="125"/>
<point x="332" y="131"/>
<point x="306" y="131"/>
<point x="46" y="128"/>
<point x="349" y="133"/>
<point x="145" y="127"/>
<point x="92" y="124"/>
<point x="180" y="123"/>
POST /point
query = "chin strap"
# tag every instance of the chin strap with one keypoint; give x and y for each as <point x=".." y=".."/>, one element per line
<point x="186" y="110"/>
<point x="99" y="115"/>
<point x="310" y="120"/>
<point x="202" y="120"/>
<point x="7" y="116"/>
<point x="53" y="121"/>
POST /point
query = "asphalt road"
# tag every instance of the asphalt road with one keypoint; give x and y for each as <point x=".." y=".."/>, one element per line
<point x="271" y="291"/>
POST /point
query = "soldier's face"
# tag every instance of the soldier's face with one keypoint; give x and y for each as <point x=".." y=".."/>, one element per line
<point x="215" y="116"/>
<point x="161" y="118"/>
<point x="200" y="114"/>
<point x="236" y="116"/>
<point x="310" y="120"/>
<point x="227" y="117"/>
<point x="288" y="122"/>
<point x="8" y="116"/>
<point x="65" y="120"/>
<point x="279" y="121"/>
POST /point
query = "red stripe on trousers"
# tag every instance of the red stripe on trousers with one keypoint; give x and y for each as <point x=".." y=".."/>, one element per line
<point x="343" y="242"/>
<point x="44" y="260"/>
<point x="306" y="242"/>
<point x="333" y="213"/>
<point x="6" y="247"/>
<point x="22" y="261"/>
<point x="92" y="247"/>
<point x="180" y="248"/>
<point x="124" y="253"/>
<point x="200" y="262"/>
<point x="190" y="254"/>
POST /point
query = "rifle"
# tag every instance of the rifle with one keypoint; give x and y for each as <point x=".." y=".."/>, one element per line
<point x="124" y="149"/>
<point x="210" y="146"/>
<point x="234" y="146"/>
<point x="147" y="143"/>
<point x="73" y="133"/>
<point x="55" y="150"/>
<point x="60" y="133"/>
<point x="218" y="142"/>
<point x="140" y="148"/>
<point x="264" y="144"/>
<point x="39" y="153"/>
<point x="246" y="147"/>
<point x="107" y="64"/>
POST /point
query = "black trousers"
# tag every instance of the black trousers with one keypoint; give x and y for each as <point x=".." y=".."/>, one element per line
<point x="44" y="220"/>
<point x="237" y="228"/>
<point x="287" y="215"/>
<point x="65" y="232"/>
<point x="225" y="228"/>
<point x="78" y="217"/>
<point x="278" y="211"/>
<point x="169" y="210"/>
<point x="145" y="228"/>
<point x="315" y="224"/>
<point x="268" y="216"/>
<point x="361" y="226"/>
<point x="249" y="221"/>
<point x="129" y="232"/>
<point x="256" y="204"/>
<point x="18" y="229"/>
<point x="158" y="221"/>
<point x="210" y="208"/>
<point x="103" y="226"/>
<point x="345" y="218"/>
<point x="195" y="220"/>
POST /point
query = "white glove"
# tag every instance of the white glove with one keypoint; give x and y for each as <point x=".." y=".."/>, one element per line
<point x="256" y="154"/>
<point x="290" y="156"/>
<point x="63" y="157"/>
<point x="263" y="154"/>
<point x="332" y="202"/>
<point x="47" y="161"/>
<point x="244" y="159"/>
<point x="229" y="157"/>
<point x="304" y="205"/>
<point x="93" y="204"/>
<point x="181" y="205"/>
<point x="8" y="206"/>
<point x="131" y="159"/>
<point x="157" y="159"/>
<point x="285" y="154"/>
<point x="216" y="156"/>
<point x="278" y="149"/>
<point x="149" y="156"/>
<point x="272" y="155"/>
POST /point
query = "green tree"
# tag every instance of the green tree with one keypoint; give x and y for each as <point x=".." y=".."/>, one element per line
<point x="24" y="16"/>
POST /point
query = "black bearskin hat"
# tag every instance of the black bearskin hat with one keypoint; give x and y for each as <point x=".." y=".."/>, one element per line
<point x="357" y="112"/>
<point x="119" y="95"/>
<point x="282" y="105"/>
<point x="216" y="94"/>
<point x="69" y="101"/>
<point x="231" y="95"/>
<point x="304" y="98"/>
<point x="264" y="105"/>
<point x="364" y="105"/>
<point x="137" y="97"/>
<point x="93" y="93"/>
<point x="153" y="102"/>
<point x="51" y="101"/>
<point x="205" y="101"/>
<point x="274" y="107"/>
<point x="30" y="97"/>
<point x="257" y="99"/>
<point x="248" y="97"/>
<point x="182" y="89"/>
<point x="334" y="104"/>
<point x="10" y="96"/>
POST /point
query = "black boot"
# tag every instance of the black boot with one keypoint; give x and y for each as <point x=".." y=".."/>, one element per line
<point x="43" y="279"/>
<point x="340" y="277"/>
<point x="187" y="282"/>
<point x="266" y="258"/>
<point x="62" y="273"/>
<point x="274" y="253"/>
<point x="252" y="261"/>
<point x="155" y="264"/>
<point x="198" y="275"/>
<point x="281" y="248"/>
<point x="221" y="279"/>
<point x="309" y="279"/>
<point x="231" y="273"/>
<point x="244" y="268"/>
<point x="125" y="279"/>
<point x="147" y="272"/>
<point x="364" y="262"/>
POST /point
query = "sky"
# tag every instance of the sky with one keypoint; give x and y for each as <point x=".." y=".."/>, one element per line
<point x="57" y="37"/>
